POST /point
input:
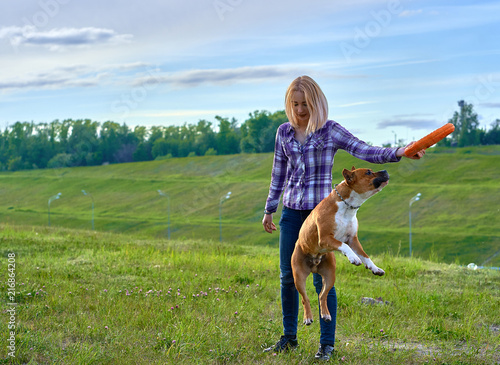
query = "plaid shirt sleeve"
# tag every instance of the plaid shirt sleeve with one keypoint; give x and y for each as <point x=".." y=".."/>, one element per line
<point x="278" y="175"/>
<point x="346" y="141"/>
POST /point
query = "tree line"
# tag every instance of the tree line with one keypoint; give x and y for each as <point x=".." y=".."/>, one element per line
<point x="83" y="142"/>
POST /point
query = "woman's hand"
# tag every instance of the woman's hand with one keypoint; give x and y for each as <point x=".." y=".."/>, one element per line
<point x="417" y="156"/>
<point x="268" y="224"/>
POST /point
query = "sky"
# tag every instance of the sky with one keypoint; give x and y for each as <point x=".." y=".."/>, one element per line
<point x="390" y="69"/>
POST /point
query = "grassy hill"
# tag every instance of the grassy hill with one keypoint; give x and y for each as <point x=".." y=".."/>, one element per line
<point x="456" y="220"/>
<point x="99" y="298"/>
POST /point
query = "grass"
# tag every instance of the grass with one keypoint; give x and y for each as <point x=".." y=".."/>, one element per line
<point x="456" y="220"/>
<point x="101" y="298"/>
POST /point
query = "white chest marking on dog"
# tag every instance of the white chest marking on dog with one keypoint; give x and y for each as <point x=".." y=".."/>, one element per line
<point x="346" y="227"/>
<point x="346" y="223"/>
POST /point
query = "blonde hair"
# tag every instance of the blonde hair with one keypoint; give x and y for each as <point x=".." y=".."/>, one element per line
<point x="315" y="99"/>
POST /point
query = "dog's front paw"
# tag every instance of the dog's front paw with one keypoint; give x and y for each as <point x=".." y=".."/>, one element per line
<point x="350" y="254"/>
<point x="355" y="260"/>
<point x="378" y="271"/>
<point x="371" y="266"/>
<point x="308" y="321"/>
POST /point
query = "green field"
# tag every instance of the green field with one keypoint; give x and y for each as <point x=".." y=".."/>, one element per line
<point x="98" y="298"/>
<point x="456" y="221"/>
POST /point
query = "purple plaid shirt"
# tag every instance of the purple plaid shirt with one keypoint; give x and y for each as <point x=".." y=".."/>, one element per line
<point x="304" y="172"/>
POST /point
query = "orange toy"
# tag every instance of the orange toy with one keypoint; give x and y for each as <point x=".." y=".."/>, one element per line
<point x="429" y="140"/>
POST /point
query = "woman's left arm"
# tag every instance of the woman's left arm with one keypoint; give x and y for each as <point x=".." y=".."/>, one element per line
<point x="360" y="149"/>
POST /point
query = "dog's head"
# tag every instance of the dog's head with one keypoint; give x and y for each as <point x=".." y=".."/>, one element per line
<point x="365" y="181"/>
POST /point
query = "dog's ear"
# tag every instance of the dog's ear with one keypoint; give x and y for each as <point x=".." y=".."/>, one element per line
<point x="348" y="176"/>
<point x="353" y="168"/>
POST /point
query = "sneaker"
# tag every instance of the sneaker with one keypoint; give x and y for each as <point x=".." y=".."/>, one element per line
<point x="284" y="344"/>
<point x="324" y="352"/>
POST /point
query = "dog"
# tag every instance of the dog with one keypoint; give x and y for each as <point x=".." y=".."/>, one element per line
<point x="333" y="226"/>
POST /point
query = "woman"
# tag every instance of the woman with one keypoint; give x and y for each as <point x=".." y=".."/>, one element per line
<point x="302" y="169"/>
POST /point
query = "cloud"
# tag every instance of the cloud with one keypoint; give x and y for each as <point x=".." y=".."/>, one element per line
<point x="188" y="113"/>
<point x="62" y="37"/>
<point x="71" y="76"/>
<point x="408" y="13"/>
<point x="413" y="115"/>
<point x="227" y="76"/>
<point x="490" y="105"/>
<point x="415" y="124"/>
<point x="357" y="103"/>
<point x="51" y="81"/>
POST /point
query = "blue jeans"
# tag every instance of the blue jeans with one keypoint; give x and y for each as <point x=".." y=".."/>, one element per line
<point x="290" y="223"/>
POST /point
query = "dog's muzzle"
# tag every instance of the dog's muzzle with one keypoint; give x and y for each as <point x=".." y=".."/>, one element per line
<point x="382" y="177"/>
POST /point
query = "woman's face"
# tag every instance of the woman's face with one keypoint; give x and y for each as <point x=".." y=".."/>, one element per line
<point x="300" y="110"/>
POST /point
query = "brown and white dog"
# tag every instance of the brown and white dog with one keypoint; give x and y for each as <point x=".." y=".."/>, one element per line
<point x="333" y="226"/>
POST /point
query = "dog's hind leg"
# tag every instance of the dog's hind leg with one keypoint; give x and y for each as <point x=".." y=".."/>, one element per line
<point x="300" y="273"/>
<point x="300" y="284"/>
<point x="327" y="271"/>
<point x="358" y="249"/>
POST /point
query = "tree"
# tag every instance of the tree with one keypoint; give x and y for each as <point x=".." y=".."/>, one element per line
<point x="186" y="135"/>
<point x="210" y="152"/>
<point x="16" y="163"/>
<point x="143" y="152"/>
<point x="108" y="141"/>
<point x="205" y="138"/>
<point x="40" y="149"/>
<point x="160" y="148"/>
<point x="492" y="136"/>
<point x="255" y="127"/>
<point x="466" y="126"/>
<point x="228" y="141"/>
<point x="259" y="131"/>
<point x="60" y="160"/>
<point x="83" y="142"/>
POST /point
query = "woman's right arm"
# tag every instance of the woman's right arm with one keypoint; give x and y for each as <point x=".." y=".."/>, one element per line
<point x="278" y="178"/>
